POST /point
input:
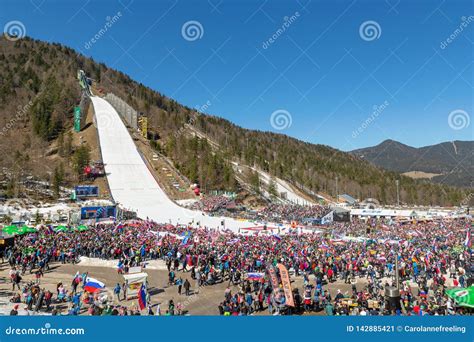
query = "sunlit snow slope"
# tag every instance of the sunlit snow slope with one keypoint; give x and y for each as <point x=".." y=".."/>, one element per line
<point x="131" y="183"/>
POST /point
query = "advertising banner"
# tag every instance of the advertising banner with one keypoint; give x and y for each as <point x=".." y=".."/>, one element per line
<point x="285" y="280"/>
<point x="98" y="212"/>
<point x="77" y="119"/>
<point x="273" y="276"/>
<point x="328" y="218"/>
<point x="86" y="191"/>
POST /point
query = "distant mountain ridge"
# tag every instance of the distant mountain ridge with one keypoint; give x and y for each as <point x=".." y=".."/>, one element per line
<point x="39" y="141"/>
<point x="452" y="160"/>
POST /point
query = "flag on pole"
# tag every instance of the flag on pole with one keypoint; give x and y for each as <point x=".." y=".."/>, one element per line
<point x="324" y="246"/>
<point x="276" y="237"/>
<point x="93" y="285"/>
<point x="428" y="258"/>
<point x="50" y="229"/>
<point x="186" y="236"/>
<point x="142" y="297"/>
<point x="467" y="241"/>
<point x="255" y="276"/>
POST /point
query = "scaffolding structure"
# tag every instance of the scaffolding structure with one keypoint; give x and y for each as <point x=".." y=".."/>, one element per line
<point x="84" y="107"/>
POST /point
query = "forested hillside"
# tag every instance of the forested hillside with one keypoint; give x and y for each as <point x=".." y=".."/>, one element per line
<point x="452" y="162"/>
<point x="38" y="91"/>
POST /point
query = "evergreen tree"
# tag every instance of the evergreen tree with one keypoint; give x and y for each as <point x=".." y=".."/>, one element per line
<point x="81" y="159"/>
<point x="61" y="144"/>
<point x="272" y="188"/>
<point x="255" y="181"/>
<point x="44" y="124"/>
<point x="37" y="217"/>
<point x="58" y="178"/>
<point x="68" y="145"/>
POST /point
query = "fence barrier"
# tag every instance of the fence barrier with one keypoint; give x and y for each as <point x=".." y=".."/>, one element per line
<point x="128" y="114"/>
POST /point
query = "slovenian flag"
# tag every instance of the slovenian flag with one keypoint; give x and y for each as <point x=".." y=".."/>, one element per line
<point x="276" y="237"/>
<point x="142" y="297"/>
<point x="49" y="230"/>
<point x="467" y="241"/>
<point x="93" y="285"/>
<point x="255" y="276"/>
<point x="427" y="258"/>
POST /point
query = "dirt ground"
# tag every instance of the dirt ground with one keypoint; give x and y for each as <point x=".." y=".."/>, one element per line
<point x="201" y="302"/>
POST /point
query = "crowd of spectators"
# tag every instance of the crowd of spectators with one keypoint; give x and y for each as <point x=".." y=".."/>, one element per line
<point x="213" y="204"/>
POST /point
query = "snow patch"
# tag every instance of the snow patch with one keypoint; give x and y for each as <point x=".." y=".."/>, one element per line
<point x="96" y="262"/>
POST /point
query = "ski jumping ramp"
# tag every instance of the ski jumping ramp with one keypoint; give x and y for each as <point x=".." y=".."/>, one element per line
<point x="130" y="181"/>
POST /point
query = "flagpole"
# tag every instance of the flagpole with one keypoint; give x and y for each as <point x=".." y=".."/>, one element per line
<point x="397" y="280"/>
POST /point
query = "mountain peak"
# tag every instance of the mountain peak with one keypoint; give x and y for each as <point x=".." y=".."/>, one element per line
<point x="390" y="142"/>
<point x="439" y="159"/>
<point x="47" y="73"/>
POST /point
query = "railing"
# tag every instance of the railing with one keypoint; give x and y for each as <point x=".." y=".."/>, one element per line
<point x="128" y="114"/>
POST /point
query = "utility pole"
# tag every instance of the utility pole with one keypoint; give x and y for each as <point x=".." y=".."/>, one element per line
<point x="397" y="281"/>
<point x="397" y="182"/>
<point x="337" y="192"/>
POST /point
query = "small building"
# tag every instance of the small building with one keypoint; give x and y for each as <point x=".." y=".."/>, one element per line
<point x="383" y="213"/>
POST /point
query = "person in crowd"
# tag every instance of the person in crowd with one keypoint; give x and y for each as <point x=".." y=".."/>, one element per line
<point x="430" y="254"/>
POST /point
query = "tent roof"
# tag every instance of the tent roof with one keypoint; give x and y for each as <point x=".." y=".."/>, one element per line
<point x="337" y="209"/>
<point x="135" y="276"/>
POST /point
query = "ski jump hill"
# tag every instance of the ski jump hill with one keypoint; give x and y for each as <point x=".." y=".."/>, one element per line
<point x="131" y="183"/>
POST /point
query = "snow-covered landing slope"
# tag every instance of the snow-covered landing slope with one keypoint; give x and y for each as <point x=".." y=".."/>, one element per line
<point x="281" y="186"/>
<point x="131" y="183"/>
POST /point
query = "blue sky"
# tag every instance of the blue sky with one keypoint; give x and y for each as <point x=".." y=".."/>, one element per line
<point x="322" y="78"/>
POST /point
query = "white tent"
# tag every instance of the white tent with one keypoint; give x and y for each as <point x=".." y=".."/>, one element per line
<point x="134" y="282"/>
